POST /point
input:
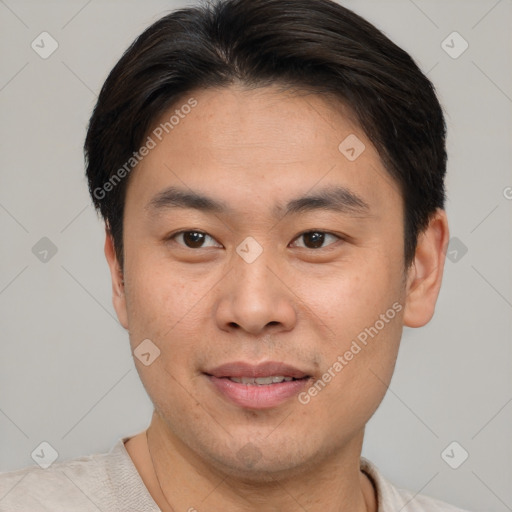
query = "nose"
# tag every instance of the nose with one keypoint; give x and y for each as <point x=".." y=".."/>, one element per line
<point x="256" y="298"/>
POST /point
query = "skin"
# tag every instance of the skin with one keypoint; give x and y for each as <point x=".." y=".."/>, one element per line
<point x="255" y="149"/>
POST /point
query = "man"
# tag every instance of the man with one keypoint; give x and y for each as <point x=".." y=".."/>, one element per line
<point x="271" y="176"/>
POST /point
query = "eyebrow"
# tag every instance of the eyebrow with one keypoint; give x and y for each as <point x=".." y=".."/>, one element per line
<point x="334" y="198"/>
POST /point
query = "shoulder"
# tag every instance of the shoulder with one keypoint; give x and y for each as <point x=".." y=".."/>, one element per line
<point x="68" y="485"/>
<point x="393" y="498"/>
<point x="102" y="481"/>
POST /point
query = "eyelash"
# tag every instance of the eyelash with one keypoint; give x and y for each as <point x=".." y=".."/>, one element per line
<point x="311" y="231"/>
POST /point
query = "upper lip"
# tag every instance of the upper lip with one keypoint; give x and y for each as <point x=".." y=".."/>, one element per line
<point x="240" y="369"/>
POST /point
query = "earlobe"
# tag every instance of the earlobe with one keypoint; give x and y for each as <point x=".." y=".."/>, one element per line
<point x="117" y="277"/>
<point x="426" y="273"/>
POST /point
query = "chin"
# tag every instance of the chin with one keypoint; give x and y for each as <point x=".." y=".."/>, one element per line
<point x="263" y="471"/>
<point x="263" y="461"/>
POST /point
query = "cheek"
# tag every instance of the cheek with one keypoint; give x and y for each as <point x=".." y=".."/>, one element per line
<point x="353" y="295"/>
<point x="358" y="366"/>
<point x="160" y="301"/>
<point x="362" y="314"/>
<point x="164" y="308"/>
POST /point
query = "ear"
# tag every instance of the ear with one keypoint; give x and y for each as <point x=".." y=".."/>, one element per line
<point x="116" y="274"/>
<point x="426" y="272"/>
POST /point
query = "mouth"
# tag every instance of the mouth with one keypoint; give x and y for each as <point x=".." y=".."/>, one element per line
<point x="261" y="381"/>
<point x="260" y="386"/>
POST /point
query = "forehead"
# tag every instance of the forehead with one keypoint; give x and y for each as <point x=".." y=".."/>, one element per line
<point x="253" y="121"/>
<point x="252" y="144"/>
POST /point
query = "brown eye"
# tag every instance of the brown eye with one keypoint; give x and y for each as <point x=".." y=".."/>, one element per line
<point x="193" y="239"/>
<point x="315" y="239"/>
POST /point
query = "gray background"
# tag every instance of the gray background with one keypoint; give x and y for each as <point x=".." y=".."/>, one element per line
<point x="66" y="372"/>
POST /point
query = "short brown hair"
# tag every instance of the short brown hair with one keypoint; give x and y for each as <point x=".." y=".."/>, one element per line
<point x="315" y="45"/>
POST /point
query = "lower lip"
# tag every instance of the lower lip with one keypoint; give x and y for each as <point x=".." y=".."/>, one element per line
<point x="257" y="396"/>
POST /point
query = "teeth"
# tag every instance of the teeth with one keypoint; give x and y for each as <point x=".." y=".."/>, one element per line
<point x="260" y="380"/>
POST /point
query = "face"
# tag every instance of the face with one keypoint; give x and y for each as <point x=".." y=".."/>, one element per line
<point x="290" y="264"/>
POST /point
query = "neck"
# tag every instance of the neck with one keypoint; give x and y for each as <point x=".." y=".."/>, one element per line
<point x="178" y="479"/>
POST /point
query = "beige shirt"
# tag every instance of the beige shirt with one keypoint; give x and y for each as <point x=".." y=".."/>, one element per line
<point x="109" y="482"/>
